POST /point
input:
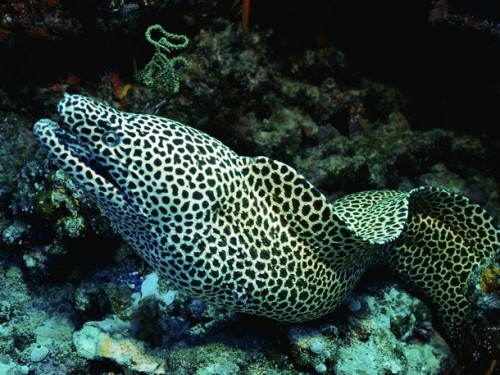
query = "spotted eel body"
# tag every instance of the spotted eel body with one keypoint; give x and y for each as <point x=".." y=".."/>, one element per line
<point x="251" y="234"/>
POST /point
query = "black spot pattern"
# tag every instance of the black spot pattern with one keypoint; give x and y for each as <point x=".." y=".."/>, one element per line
<point x="252" y="235"/>
<point x="445" y="238"/>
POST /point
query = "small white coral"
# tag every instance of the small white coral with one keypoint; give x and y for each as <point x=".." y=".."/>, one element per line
<point x="104" y="339"/>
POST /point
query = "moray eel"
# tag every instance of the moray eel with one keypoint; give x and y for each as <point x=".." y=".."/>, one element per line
<point x="249" y="233"/>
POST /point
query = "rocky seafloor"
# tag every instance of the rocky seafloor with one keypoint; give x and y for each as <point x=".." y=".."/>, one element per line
<point x="354" y="97"/>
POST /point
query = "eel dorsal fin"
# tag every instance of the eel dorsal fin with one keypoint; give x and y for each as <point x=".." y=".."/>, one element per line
<point x="465" y="218"/>
<point x="376" y="216"/>
<point x="305" y="212"/>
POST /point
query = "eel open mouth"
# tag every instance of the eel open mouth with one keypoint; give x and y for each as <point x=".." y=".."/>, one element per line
<point x="72" y="156"/>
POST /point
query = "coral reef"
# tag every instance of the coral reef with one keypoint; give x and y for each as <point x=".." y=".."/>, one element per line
<point x="384" y="324"/>
<point x="478" y="15"/>
<point x="296" y="88"/>
<point x="52" y="216"/>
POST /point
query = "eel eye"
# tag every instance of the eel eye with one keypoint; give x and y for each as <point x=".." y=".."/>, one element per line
<point x="111" y="138"/>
